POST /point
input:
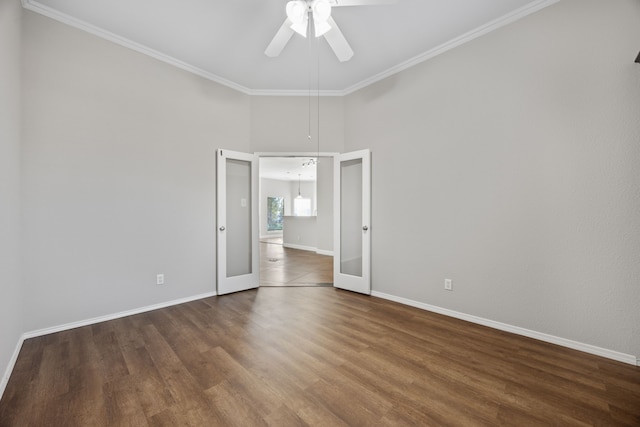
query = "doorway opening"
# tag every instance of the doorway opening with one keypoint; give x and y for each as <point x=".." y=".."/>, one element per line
<point x="296" y="219"/>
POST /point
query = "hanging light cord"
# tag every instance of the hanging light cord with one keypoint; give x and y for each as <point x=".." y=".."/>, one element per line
<point x="318" y="49"/>
<point x="309" y="69"/>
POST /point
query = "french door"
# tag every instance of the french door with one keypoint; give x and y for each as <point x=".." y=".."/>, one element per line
<point x="352" y="222"/>
<point x="237" y="228"/>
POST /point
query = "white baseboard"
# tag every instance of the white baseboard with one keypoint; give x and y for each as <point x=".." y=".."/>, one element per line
<point x="86" y="322"/>
<point x="308" y="248"/>
<point x="10" y="366"/>
<point x="267" y="236"/>
<point x="67" y="326"/>
<point x="587" y="348"/>
<point x="301" y="247"/>
<point x="323" y="252"/>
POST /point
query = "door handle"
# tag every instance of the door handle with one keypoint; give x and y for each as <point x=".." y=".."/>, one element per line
<point x="365" y="228"/>
<point x="222" y="228"/>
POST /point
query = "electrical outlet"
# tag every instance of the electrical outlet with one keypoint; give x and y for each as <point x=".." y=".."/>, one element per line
<point x="160" y="279"/>
<point x="448" y="284"/>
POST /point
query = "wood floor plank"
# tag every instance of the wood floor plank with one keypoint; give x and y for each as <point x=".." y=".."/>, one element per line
<point x="151" y="390"/>
<point x="284" y="417"/>
<point x="309" y="356"/>
<point x="236" y="410"/>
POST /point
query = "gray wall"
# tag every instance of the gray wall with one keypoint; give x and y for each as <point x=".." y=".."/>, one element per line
<point x="119" y="177"/>
<point x="11" y="303"/>
<point x="300" y="231"/>
<point x="281" y="124"/>
<point x="510" y="165"/>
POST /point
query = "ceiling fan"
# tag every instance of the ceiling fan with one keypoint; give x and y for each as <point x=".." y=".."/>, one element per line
<point x="300" y="15"/>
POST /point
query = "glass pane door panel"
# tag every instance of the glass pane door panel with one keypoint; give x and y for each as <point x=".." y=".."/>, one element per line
<point x="238" y="227"/>
<point x="351" y="217"/>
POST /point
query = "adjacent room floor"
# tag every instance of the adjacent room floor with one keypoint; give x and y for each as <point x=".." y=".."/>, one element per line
<point x="280" y="266"/>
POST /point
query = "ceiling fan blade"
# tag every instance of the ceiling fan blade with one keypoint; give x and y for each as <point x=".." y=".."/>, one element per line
<point x="280" y="40"/>
<point x="337" y="42"/>
<point x="337" y="3"/>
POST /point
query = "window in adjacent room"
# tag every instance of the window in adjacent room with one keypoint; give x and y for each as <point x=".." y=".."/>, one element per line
<point x="275" y="213"/>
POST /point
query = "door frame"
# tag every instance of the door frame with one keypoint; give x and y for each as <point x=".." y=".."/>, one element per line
<point x="303" y="154"/>
<point x="332" y="155"/>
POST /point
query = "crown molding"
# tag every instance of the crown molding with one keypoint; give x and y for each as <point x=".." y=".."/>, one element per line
<point x="303" y="92"/>
<point x="464" y="38"/>
<point x="41" y="9"/>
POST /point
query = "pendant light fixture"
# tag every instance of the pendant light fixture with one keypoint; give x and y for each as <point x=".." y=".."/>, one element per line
<point x="299" y="196"/>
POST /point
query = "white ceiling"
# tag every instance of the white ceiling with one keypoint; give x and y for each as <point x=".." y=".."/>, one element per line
<point x="224" y="40"/>
<point x="287" y="168"/>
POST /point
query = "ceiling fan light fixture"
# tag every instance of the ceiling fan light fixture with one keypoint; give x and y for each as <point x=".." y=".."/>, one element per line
<point x="321" y="27"/>
<point x="301" y="28"/>
<point x="298" y="14"/>
<point x="296" y="11"/>
<point x="321" y="10"/>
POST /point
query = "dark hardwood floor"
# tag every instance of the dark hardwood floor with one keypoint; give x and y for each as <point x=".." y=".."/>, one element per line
<point x="309" y="356"/>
